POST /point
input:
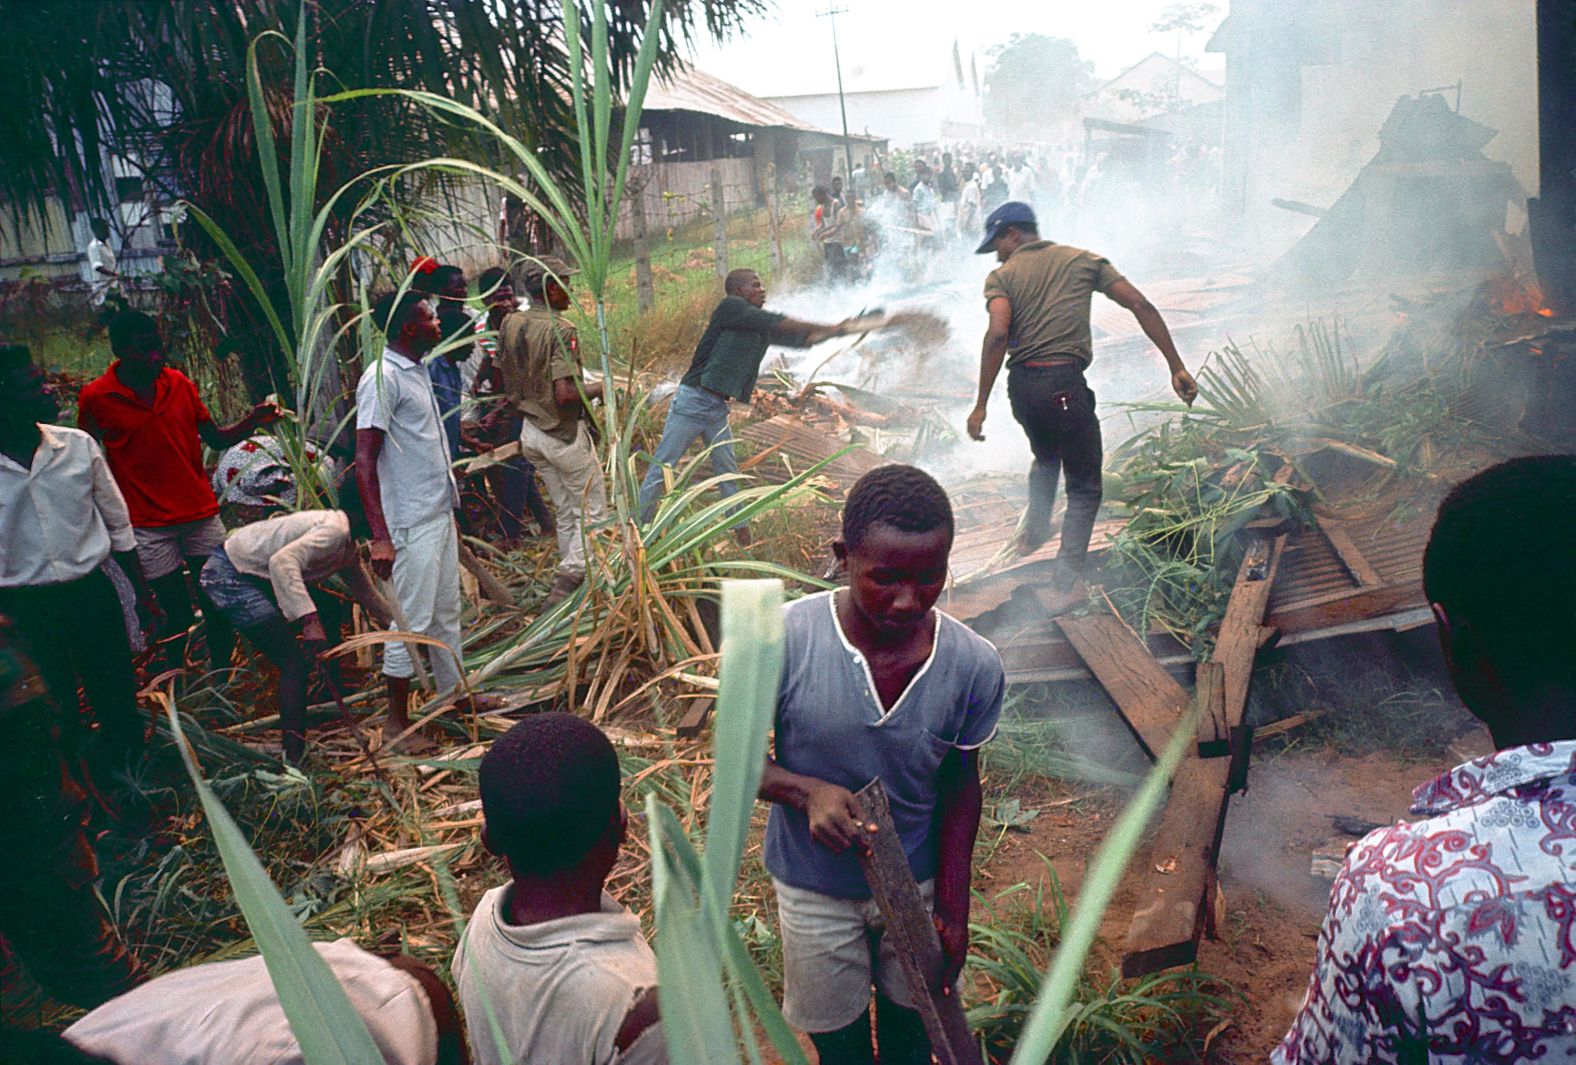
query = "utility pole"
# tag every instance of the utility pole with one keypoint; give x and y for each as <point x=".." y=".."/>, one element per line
<point x="842" y="105"/>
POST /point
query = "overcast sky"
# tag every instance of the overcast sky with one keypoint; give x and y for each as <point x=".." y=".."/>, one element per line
<point x="908" y="43"/>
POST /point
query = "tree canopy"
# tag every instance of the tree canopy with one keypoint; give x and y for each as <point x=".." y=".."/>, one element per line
<point x="1033" y="81"/>
<point x="160" y="82"/>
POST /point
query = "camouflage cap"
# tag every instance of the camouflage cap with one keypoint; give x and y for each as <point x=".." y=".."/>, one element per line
<point x="534" y="271"/>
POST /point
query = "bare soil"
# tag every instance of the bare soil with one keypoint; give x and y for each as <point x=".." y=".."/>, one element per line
<point x="1273" y="904"/>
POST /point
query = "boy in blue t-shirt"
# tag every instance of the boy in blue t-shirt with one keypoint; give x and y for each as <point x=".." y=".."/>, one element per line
<point x="876" y="683"/>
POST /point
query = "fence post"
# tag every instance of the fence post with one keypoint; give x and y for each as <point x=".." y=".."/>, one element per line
<point x="720" y="214"/>
<point x="773" y="220"/>
<point x="637" y="221"/>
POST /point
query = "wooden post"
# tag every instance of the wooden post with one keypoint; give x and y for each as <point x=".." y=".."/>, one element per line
<point x="1176" y="888"/>
<point x="1209" y="692"/>
<point x="1237" y="645"/>
<point x="773" y="219"/>
<point x="719" y="212"/>
<point x="1149" y="700"/>
<point x="645" y="290"/>
<point x="911" y="929"/>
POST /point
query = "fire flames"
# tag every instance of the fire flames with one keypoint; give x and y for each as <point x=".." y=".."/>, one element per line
<point x="1512" y="295"/>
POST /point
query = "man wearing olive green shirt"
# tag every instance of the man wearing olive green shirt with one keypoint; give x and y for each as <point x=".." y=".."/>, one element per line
<point x="539" y="357"/>
<point x="1038" y="301"/>
<point x="726" y="363"/>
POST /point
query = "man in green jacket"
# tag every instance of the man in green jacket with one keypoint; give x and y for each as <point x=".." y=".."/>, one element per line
<point x="726" y="363"/>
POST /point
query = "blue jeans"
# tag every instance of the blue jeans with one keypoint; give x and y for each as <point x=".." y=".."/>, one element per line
<point x="694" y="413"/>
<point x="244" y="599"/>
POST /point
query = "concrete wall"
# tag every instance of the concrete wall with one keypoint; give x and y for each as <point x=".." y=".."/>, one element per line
<point x="57" y="248"/>
<point x="678" y="193"/>
<point x="905" y="117"/>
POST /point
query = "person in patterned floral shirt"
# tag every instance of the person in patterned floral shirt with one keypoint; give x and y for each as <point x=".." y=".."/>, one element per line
<point x="1453" y="938"/>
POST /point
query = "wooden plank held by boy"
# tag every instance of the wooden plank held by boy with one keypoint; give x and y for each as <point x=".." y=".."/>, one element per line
<point x="911" y="929"/>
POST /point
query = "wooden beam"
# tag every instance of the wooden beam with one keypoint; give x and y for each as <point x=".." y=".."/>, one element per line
<point x="1238" y="641"/>
<point x="1147" y="697"/>
<point x="1345" y="548"/>
<point x="1209" y="692"/>
<point x="693" y="723"/>
<point x="911" y="929"/>
<point x="1343" y="607"/>
<point x="1170" y="914"/>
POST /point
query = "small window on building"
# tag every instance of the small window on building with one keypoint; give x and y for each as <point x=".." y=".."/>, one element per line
<point x="128" y="189"/>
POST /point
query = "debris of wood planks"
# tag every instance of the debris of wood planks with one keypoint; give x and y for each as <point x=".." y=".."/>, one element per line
<point x="1238" y="642"/>
<point x="693" y="723"/>
<point x="1169" y="915"/>
<point x="911" y="930"/>
<point x="800" y="446"/>
<point x="1285" y="724"/>
<point x="982" y="553"/>
<point x="1146" y="696"/>
<point x="1345" y="548"/>
<point x="1209" y="692"/>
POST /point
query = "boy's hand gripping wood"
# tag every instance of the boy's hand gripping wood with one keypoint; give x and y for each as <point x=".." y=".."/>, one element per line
<point x="913" y="932"/>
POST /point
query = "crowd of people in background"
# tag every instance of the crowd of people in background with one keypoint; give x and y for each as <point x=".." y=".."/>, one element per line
<point x="907" y="206"/>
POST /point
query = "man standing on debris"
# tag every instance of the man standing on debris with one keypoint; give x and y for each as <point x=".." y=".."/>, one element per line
<point x="497" y="421"/>
<point x="726" y="363"/>
<point x="1038" y="301"/>
<point x="1449" y="938"/>
<point x="408" y="492"/>
<point x="539" y="355"/>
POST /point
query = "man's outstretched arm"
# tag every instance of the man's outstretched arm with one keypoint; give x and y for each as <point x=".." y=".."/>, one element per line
<point x="1127" y="295"/>
<point x="218" y="437"/>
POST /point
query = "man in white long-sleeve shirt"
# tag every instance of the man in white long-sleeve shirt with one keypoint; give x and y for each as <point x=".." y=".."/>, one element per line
<point x="260" y="578"/>
<point x="61" y="517"/>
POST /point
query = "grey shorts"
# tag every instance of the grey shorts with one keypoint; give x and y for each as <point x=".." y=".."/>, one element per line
<point x="834" y="951"/>
<point x="161" y="549"/>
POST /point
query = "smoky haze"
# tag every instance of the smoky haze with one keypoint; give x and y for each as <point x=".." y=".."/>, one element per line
<point x="1305" y="92"/>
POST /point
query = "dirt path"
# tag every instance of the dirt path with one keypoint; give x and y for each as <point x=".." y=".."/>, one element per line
<point x="1274" y="906"/>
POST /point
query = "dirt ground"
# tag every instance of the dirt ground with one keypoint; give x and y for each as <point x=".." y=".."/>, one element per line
<point x="1273" y="904"/>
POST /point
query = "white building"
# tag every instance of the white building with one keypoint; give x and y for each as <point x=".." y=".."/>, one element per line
<point x="1156" y="84"/>
<point x="906" y="111"/>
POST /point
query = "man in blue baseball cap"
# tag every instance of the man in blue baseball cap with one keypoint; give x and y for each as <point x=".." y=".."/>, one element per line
<point x="1038" y="301"/>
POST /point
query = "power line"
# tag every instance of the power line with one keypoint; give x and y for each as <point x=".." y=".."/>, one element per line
<point x="842" y="105"/>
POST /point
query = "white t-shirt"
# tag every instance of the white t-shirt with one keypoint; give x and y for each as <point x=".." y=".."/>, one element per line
<point x="100" y="254"/>
<point x="227" y="1013"/>
<point x="395" y="396"/>
<point x="558" y="990"/>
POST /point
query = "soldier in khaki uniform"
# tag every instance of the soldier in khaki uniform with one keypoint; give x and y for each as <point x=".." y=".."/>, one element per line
<point x="539" y="357"/>
<point x="1038" y="301"/>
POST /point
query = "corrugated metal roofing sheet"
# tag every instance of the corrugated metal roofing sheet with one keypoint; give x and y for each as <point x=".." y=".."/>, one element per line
<point x="689" y="89"/>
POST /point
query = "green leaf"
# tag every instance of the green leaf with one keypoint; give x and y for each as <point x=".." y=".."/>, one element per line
<point x="696" y="1020"/>
<point x="323" y="1021"/>
<point x="752" y="665"/>
<point x="1051" y="1013"/>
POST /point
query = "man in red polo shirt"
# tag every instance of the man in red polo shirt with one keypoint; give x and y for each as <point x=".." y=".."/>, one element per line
<point x="153" y="424"/>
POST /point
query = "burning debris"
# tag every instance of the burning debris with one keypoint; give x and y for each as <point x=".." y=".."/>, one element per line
<point x="1429" y="200"/>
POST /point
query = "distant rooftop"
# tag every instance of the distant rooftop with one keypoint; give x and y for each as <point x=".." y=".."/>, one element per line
<point x="690" y="89"/>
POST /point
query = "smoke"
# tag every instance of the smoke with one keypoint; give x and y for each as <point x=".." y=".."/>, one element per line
<point x="1188" y="208"/>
